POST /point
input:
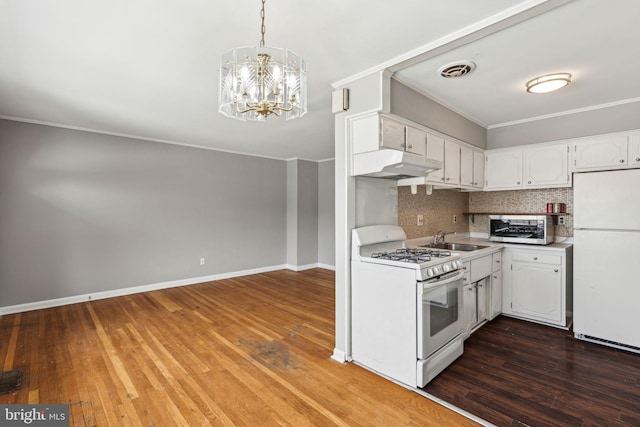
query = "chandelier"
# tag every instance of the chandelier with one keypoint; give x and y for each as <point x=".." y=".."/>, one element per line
<point x="257" y="81"/>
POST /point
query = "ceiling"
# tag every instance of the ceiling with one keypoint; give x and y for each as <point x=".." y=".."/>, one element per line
<point x="149" y="69"/>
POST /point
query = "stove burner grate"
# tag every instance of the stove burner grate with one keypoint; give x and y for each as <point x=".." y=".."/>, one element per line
<point x="417" y="255"/>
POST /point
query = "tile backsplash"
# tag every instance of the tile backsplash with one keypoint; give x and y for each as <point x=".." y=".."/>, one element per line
<point x="440" y="207"/>
<point x="520" y="201"/>
<point x="438" y="210"/>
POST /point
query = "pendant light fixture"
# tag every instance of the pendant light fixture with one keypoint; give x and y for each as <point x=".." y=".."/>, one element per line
<point x="258" y="81"/>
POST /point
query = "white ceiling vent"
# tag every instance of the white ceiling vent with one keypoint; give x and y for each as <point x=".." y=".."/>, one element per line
<point x="456" y="69"/>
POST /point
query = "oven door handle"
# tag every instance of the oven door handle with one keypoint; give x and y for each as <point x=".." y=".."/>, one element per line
<point x="438" y="282"/>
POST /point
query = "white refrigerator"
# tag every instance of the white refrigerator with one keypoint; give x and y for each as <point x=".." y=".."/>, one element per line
<point x="606" y="281"/>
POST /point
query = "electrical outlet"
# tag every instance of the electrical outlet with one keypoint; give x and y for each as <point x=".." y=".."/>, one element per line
<point x="561" y="220"/>
<point x="202" y="261"/>
<point x="455" y="219"/>
<point x="420" y="219"/>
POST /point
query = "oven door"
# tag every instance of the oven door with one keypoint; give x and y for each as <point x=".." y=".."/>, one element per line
<point x="439" y="312"/>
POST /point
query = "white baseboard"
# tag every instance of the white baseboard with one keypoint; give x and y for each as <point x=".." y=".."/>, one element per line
<point x="339" y="356"/>
<point x="38" y="305"/>
<point x="310" y="266"/>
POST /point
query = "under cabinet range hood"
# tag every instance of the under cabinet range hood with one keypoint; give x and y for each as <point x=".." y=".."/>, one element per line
<point x="392" y="164"/>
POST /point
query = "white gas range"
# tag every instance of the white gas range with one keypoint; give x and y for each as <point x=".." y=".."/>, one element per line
<point x="406" y="312"/>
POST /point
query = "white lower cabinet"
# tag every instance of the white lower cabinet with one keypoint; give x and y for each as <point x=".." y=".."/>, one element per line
<point x="536" y="285"/>
<point x="496" y="285"/>
<point x="478" y="292"/>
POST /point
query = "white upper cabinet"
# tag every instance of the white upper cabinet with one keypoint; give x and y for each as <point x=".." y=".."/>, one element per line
<point x="451" y="162"/>
<point x="634" y="150"/>
<point x="415" y="140"/>
<point x="373" y="132"/>
<point x="435" y="150"/>
<point x="398" y="136"/>
<point x="466" y="166"/>
<point x="503" y="169"/>
<point x="478" y="169"/>
<point x="392" y="134"/>
<point x="532" y="166"/>
<point x="546" y="166"/>
<point x="600" y="153"/>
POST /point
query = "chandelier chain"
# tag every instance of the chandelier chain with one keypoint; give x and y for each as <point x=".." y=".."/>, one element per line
<point x="262" y="29"/>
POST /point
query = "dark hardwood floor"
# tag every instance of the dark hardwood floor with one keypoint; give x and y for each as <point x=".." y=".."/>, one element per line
<point x="516" y="373"/>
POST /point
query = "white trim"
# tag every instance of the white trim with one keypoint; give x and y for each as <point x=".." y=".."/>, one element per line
<point x="138" y="137"/>
<point x="326" y="266"/>
<point x="38" y="305"/>
<point x="566" y="113"/>
<point x="302" y="267"/>
<point x="339" y="356"/>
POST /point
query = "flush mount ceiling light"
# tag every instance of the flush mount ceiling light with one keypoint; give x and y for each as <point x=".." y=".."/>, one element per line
<point x="257" y="81"/>
<point x="548" y="83"/>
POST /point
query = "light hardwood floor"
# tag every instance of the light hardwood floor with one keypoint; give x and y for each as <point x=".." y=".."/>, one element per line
<point x="252" y="351"/>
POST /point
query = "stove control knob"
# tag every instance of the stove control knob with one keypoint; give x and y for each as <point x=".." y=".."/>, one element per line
<point x="430" y="272"/>
<point x="446" y="268"/>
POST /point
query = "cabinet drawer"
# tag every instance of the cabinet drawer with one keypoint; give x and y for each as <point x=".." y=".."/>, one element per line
<point x="480" y="268"/>
<point x="496" y="261"/>
<point x="538" y="258"/>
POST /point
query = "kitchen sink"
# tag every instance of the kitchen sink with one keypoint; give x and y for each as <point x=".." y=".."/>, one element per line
<point x="455" y="247"/>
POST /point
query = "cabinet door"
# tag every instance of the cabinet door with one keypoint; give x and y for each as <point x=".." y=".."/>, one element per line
<point x="466" y="166"/>
<point x="546" y="166"/>
<point x="503" y="169"/>
<point x="478" y="169"/>
<point x="599" y="153"/>
<point x="435" y="151"/>
<point x="451" y="162"/>
<point x="392" y="134"/>
<point x="482" y="288"/>
<point x="496" y="294"/>
<point x="537" y="291"/>
<point x="634" y="150"/>
<point x="469" y="302"/>
<point x="416" y="141"/>
<point x="496" y="261"/>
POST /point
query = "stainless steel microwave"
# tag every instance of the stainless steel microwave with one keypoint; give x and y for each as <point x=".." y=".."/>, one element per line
<point x="529" y="229"/>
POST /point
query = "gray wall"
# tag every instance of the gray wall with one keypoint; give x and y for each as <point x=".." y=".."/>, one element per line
<point x="326" y="214"/>
<point x="83" y="212"/>
<point x="593" y="122"/>
<point x="302" y="213"/>
<point x="412" y="105"/>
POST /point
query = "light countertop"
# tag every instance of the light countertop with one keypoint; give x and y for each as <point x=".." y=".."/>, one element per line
<point x="491" y="247"/>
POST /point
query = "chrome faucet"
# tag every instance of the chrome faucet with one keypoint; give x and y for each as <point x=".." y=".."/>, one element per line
<point x="440" y="235"/>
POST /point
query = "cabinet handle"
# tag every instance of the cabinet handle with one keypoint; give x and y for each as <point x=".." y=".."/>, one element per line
<point x="518" y="182"/>
<point x="535" y="258"/>
<point x="621" y="160"/>
<point x="497" y="261"/>
<point x="495" y="277"/>
<point x="479" y="285"/>
<point x="555" y="270"/>
<point x="410" y="146"/>
<point x="448" y="179"/>
<point x="637" y="159"/>
<point x="528" y="182"/>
